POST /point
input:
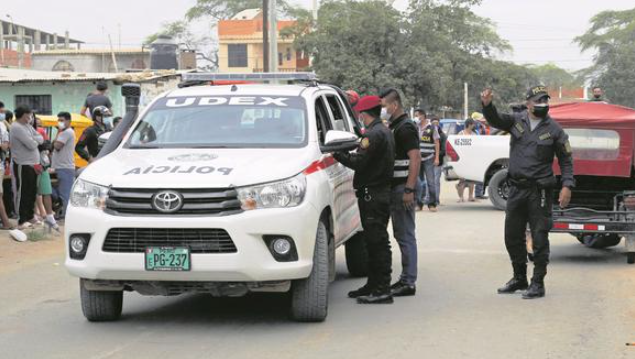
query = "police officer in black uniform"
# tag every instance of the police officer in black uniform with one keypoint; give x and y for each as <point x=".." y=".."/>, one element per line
<point x="535" y="139"/>
<point x="373" y="164"/>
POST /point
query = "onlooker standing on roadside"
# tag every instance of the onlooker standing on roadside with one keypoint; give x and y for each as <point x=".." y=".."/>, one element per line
<point x="4" y="150"/>
<point x="598" y="95"/>
<point x="26" y="162"/>
<point x="64" y="158"/>
<point x="44" y="200"/>
<point x="406" y="172"/>
<point x="96" y="99"/>
<point x="88" y="145"/>
<point x="430" y="148"/>
<point x="470" y="125"/>
<point x="438" y="170"/>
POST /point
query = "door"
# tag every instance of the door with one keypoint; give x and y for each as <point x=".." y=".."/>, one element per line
<point x="345" y="210"/>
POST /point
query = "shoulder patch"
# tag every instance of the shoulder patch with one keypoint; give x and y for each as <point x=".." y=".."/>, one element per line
<point x="567" y="147"/>
<point x="519" y="127"/>
<point x="365" y="143"/>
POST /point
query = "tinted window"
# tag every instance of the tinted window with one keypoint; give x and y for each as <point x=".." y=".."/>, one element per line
<point x="237" y="55"/>
<point x="592" y="144"/>
<point x="340" y="123"/>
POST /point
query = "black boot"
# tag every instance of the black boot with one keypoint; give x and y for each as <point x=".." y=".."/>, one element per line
<point x="537" y="287"/>
<point x="401" y="289"/>
<point x="363" y="291"/>
<point x="378" y="296"/>
<point x="518" y="282"/>
<point x="536" y="290"/>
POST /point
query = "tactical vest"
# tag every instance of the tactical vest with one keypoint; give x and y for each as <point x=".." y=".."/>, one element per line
<point x="402" y="165"/>
<point x="426" y="143"/>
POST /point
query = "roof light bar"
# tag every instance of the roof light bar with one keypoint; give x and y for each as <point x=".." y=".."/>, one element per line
<point x="264" y="77"/>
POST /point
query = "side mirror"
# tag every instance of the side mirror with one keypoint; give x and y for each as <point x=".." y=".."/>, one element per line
<point x="337" y="141"/>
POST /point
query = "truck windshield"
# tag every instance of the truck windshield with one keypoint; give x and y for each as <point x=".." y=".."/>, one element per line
<point x="594" y="144"/>
<point x="222" y="121"/>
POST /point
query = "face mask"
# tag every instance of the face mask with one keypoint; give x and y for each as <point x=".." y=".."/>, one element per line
<point x="61" y="125"/>
<point x="541" y="110"/>
<point x="3" y="116"/>
<point x="384" y="114"/>
<point x="597" y="96"/>
<point x="31" y="120"/>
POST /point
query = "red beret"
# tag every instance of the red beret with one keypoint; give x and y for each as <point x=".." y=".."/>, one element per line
<point x="367" y="103"/>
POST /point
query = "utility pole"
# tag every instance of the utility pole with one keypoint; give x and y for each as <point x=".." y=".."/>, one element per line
<point x="465" y="101"/>
<point x="273" y="37"/>
<point x="265" y="35"/>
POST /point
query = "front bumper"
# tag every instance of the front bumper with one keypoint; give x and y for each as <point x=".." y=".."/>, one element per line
<point x="253" y="262"/>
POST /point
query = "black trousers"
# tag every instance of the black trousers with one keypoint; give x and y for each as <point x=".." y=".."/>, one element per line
<point x="374" y="209"/>
<point x="26" y="184"/>
<point x="529" y="205"/>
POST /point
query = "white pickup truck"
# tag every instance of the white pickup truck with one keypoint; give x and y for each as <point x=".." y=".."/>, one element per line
<point x="482" y="159"/>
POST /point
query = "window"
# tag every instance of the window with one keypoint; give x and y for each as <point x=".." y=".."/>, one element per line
<point x="237" y="55"/>
<point x="592" y="144"/>
<point x="280" y="59"/>
<point x="219" y="122"/>
<point x="41" y="104"/>
<point x="340" y="122"/>
<point x="288" y="54"/>
<point x="322" y="117"/>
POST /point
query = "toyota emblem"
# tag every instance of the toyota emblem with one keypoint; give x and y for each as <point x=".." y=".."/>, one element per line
<point x="167" y="201"/>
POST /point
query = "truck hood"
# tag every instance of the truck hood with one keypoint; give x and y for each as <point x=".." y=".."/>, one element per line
<point x="196" y="168"/>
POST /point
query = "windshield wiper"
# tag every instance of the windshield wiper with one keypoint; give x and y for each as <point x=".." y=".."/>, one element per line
<point x="143" y="147"/>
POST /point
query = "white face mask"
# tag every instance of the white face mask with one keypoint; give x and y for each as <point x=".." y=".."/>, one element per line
<point x="3" y="116"/>
<point x="384" y="114"/>
<point x="61" y="125"/>
<point x="31" y="120"/>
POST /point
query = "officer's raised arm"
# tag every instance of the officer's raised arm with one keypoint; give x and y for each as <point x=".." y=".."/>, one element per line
<point x="500" y="121"/>
<point x="361" y="159"/>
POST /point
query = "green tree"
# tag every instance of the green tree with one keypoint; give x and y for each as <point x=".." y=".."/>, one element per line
<point x="612" y="36"/>
<point x="554" y="77"/>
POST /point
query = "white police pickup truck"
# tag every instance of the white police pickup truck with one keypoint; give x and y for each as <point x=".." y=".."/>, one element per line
<point x="222" y="190"/>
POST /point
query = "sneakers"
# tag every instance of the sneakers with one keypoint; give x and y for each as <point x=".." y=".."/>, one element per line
<point x="49" y="221"/>
<point x="401" y="289"/>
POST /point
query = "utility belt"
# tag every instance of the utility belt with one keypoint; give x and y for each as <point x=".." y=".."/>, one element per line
<point x="367" y="193"/>
<point x="543" y="183"/>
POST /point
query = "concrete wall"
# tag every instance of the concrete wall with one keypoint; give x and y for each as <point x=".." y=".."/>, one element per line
<point x="91" y="62"/>
<point x="67" y="96"/>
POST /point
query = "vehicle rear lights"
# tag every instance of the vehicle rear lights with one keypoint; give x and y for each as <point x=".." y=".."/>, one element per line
<point x="282" y="248"/>
<point x="579" y="227"/>
<point x="629" y="203"/>
<point x="78" y="245"/>
<point x="451" y="152"/>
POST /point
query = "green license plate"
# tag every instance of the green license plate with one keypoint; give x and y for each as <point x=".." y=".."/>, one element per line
<point x="169" y="259"/>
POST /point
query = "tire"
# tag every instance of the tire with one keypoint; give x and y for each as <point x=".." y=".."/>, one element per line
<point x="357" y="256"/>
<point x="630" y="257"/>
<point x="498" y="189"/>
<point x="101" y="306"/>
<point x="598" y="240"/>
<point x="309" y="297"/>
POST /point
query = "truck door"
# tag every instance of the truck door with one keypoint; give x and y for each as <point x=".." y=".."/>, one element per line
<point x="345" y="210"/>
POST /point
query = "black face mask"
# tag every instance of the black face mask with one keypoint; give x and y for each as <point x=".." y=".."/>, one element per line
<point x="541" y="110"/>
<point x="597" y="96"/>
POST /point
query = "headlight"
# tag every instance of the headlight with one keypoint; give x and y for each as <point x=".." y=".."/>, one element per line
<point x="287" y="193"/>
<point x="89" y="195"/>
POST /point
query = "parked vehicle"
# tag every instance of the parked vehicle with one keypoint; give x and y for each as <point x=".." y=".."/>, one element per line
<point x="222" y="190"/>
<point x="602" y="137"/>
<point x="450" y="126"/>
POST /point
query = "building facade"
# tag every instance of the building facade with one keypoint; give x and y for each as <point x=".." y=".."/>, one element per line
<point x="91" y="60"/>
<point x="240" y="45"/>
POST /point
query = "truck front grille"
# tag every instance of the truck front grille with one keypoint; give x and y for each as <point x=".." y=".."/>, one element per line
<point x="195" y="202"/>
<point x="136" y="240"/>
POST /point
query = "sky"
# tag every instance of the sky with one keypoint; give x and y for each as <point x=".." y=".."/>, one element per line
<point x="540" y="31"/>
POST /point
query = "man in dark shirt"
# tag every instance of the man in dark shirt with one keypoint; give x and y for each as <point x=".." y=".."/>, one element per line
<point x="88" y="145"/>
<point x="373" y="165"/>
<point x="534" y="140"/>
<point x="96" y="99"/>
<point x="404" y="182"/>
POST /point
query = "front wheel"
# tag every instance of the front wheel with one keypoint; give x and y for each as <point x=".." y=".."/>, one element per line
<point x="100" y="306"/>
<point x="309" y="297"/>
<point x="498" y="189"/>
<point x="357" y="256"/>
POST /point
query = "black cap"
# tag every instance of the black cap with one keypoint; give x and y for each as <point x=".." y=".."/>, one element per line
<point x="537" y="92"/>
